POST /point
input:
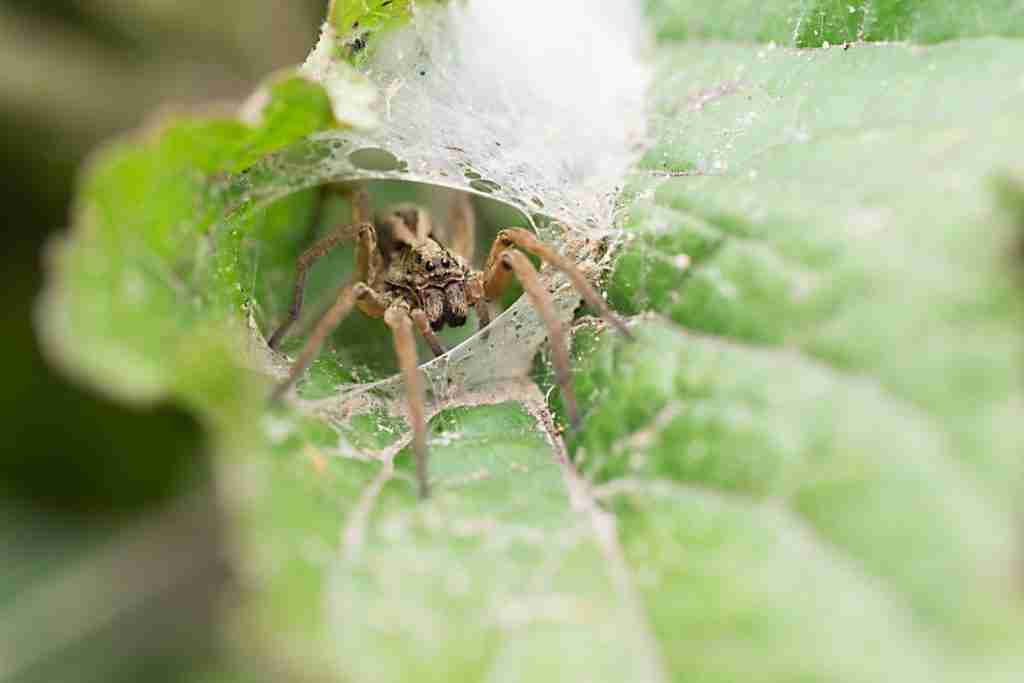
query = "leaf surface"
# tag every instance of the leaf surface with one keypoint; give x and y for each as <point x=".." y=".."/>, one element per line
<point x="807" y="466"/>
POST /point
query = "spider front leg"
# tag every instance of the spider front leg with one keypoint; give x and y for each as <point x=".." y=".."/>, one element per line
<point x="517" y="263"/>
<point x="505" y="261"/>
<point x="524" y="239"/>
<point x="366" y="237"/>
<point x="342" y="306"/>
<point x="475" y="291"/>
<point x="397" y="318"/>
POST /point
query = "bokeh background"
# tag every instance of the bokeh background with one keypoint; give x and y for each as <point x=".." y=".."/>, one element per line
<point x="76" y="468"/>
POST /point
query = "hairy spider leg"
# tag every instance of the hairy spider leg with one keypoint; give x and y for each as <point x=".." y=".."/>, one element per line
<point x="342" y="306"/>
<point x="475" y="293"/>
<point x="366" y="258"/>
<point x="526" y="240"/>
<point x="397" y="318"/>
<point x="462" y="222"/>
<point x="517" y="263"/>
<point x="504" y="262"/>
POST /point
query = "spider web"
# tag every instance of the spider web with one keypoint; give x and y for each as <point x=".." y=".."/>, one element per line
<point x="546" y="115"/>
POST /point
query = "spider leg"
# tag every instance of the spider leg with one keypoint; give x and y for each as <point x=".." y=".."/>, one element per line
<point x="475" y="292"/>
<point x="463" y="226"/>
<point x="423" y="325"/>
<point x="483" y="315"/>
<point x="359" y="198"/>
<point x="496" y="281"/>
<point x="342" y="306"/>
<point x="366" y="237"/>
<point x="397" y="318"/>
<point x="516" y="262"/>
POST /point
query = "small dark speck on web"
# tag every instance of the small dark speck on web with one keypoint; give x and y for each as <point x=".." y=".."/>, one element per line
<point x="423" y="73"/>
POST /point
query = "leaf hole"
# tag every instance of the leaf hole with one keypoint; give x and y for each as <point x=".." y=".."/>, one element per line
<point x="375" y="159"/>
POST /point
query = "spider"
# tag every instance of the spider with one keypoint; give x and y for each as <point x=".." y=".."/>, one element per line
<point x="409" y="278"/>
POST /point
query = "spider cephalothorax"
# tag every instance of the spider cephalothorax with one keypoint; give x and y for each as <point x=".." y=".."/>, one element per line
<point x="433" y="277"/>
<point x="407" y="277"/>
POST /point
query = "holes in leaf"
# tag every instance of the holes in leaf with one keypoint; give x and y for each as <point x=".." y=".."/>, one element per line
<point x="375" y="159"/>
<point x="485" y="186"/>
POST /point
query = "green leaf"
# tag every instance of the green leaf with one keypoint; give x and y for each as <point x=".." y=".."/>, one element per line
<point x="805" y="468"/>
<point x="132" y="307"/>
<point x="813" y="23"/>
<point x="124" y="309"/>
<point x="834" y="387"/>
<point x="810" y="233"/>
<point x="497" y="577"/>
<point x="355" y="23"/>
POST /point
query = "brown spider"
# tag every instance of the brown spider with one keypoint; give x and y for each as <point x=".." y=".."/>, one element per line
<point x="408" y="277"/>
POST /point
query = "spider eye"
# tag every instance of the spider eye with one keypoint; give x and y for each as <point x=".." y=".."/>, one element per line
<point x="430" y="265"/>
<point x="446" y="263"/>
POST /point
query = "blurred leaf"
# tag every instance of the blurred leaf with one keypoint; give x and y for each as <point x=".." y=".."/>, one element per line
<point x="125" y="308"/>
<point x="131" y="306"/>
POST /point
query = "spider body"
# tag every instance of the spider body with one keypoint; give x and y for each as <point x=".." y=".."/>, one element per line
<point x="409" y="278"/>
<point x="429" y="276"/>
